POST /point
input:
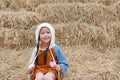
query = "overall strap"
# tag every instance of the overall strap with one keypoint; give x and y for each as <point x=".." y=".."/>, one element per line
<point x="52" y="56"/>
<point x="55" y="63"/>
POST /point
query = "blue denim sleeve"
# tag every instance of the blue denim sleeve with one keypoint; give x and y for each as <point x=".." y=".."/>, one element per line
<point x="61" y="59"/>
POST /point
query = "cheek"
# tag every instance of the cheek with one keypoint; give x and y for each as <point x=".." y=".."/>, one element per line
<point x="41" y="36"/>
<point x="50" y="36"/>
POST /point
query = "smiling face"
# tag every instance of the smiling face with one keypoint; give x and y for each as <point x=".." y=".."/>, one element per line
<point x="45" y="35"/>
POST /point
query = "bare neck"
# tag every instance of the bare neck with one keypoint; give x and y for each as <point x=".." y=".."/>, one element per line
<point x="44" y="45"/>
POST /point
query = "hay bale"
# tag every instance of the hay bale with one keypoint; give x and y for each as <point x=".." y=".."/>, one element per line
<point x="116" y="31"/>
<point x="68" y="34"/>
<point x="18" y="20"/>
<point x="89" y="13"/>
<point x="108" y="2"/>
<point x="89" y="63"/>
<point x="30" y="5"/>
<point x="14" y="5"/>
<point x="56" y="13"/>
<point x="16" y="39"/>
<point x="81" y="33"/>
<point x="116" y="9"/>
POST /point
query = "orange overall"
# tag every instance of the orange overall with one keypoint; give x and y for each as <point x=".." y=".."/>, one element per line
<point x="45" y="68"/>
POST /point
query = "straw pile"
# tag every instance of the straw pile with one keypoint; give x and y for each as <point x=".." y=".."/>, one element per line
<point x="29" y="5"/>
<point x="99" y="38"/>
<point x="77" y="22"/>
<point x="85" y="64"/>
<point x="82" y="23"/>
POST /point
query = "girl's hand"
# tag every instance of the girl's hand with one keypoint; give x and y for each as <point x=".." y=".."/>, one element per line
<point x="29" y="71"/>
<point x="58" y="68"/>
<point x="30" y="68"/>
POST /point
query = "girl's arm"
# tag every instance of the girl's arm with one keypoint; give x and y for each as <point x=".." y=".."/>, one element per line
<point x="61" y="59"/>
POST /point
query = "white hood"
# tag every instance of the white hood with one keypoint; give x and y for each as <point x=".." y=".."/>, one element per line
<point x="52" y="43"/>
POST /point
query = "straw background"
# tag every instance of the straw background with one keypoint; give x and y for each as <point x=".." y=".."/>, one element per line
<point x="88" y="31"/>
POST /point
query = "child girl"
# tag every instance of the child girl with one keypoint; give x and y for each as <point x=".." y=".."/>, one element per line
<point x="47" y="61"/>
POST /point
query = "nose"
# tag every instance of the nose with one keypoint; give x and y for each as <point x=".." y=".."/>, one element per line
<point x="46" y="35"/>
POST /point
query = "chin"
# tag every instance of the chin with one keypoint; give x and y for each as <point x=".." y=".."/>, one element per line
<point x="46" y="41"/>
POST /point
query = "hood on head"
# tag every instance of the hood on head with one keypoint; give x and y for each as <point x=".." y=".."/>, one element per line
<point x="52" y="43"/>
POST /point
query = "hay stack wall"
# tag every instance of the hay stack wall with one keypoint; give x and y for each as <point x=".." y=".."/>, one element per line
<point x="77" y="22"/>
